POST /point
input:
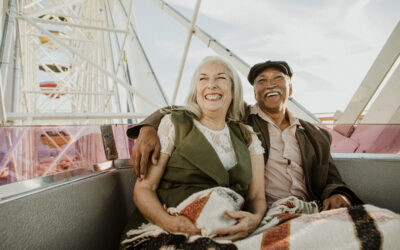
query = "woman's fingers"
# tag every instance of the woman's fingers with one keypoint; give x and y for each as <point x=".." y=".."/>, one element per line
<point x="230" y="230"/>
<point x="246" y="224"/>
<point x="235" y="214"/>
<point x="232" y="237"/>
<point x="181" y="224"/>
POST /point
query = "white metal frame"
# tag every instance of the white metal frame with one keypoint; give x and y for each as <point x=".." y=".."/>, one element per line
<point x="95" y="85"/>
<point x="91" y="84"/>
<point x="186" y="50"/>
<point x="103" y="88"/>
<point x="2" y="108"/>
<point x="371" y="82"/>
<point x="97" y="82"/>
<point x="385" y="108"/>
<point x="220" y="49"/>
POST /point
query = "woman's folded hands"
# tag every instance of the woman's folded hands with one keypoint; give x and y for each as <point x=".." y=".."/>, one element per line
<point x="247" y="223"/>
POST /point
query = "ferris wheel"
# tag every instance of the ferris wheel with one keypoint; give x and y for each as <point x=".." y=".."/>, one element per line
<point x="82" y="62"/>
<point x="78" y="61"/>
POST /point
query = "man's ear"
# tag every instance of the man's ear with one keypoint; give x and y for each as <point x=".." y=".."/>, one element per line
<point x="290" y="89"/>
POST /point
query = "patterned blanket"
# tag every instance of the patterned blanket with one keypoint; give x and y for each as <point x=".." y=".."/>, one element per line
<point x="288" y="224"/>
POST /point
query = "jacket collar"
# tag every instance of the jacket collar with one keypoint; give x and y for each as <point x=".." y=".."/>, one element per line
<point x="242" y="170"/>
<point x="206" y="159"/>
<point x="203" y="157"/>
<point x="307" y="153"/>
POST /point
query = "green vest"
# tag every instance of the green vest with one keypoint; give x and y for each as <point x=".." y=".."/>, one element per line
<point x="194" y="165"/>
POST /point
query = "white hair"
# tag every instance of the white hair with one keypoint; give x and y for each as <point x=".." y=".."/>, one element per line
<point x="236" y="108"/>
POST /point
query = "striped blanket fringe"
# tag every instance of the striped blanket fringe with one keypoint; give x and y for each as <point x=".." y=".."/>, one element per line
<point x="289" y="223"/>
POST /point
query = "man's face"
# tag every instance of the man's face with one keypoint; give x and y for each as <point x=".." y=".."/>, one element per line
<point x="272" y="89"/>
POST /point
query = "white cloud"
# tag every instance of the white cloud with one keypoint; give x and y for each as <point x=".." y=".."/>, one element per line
<point x="329" y="44"/>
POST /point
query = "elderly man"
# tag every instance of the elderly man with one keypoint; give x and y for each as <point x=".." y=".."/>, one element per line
<point x="297" y="153"/>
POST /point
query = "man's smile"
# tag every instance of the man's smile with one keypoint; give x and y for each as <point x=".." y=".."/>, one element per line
<point x="274" y="92"/>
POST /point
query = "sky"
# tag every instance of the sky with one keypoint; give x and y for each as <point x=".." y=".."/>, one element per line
<point x="330" y="44"/>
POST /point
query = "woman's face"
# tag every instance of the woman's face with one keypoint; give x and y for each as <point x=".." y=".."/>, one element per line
<point x="214" y="87"/>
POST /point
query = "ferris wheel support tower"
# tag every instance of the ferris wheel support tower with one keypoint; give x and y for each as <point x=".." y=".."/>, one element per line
<point x="74" y="61"/>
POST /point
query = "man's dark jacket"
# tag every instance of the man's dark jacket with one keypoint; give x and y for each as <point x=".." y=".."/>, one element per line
<point x="322" y="178"/>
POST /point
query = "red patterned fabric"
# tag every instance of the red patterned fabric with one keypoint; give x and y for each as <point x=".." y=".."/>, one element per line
<point x="276" y="238"/>
<point x="193" y="210"/>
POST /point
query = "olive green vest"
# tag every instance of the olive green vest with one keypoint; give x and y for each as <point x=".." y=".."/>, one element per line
<point x="194" y="165"/>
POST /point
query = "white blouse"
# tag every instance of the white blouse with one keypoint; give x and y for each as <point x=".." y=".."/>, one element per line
<point x="220" y="140"/>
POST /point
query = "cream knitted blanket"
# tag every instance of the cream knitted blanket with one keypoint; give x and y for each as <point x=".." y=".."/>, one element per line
<point x="288" y="224"/>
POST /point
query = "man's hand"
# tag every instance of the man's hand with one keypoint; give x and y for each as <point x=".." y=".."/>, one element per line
<point x="336" y="201"/>
<point x="247" y="223"/>
<point x="180" y="224"/>
<point x="146" y="145"/>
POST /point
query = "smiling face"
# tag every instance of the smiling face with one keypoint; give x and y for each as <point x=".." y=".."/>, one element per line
<point x="213" y="88"/>
<point x="272" y="89"/>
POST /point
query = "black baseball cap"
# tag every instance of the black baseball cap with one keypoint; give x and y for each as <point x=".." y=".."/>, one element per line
<point x="260" y="67"/>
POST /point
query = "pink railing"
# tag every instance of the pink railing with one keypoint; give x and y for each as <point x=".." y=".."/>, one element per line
<point x="366" y="138"/>
<point x="29" y="152"/>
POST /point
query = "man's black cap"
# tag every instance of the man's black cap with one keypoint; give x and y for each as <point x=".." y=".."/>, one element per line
<point x="260" y="67"/>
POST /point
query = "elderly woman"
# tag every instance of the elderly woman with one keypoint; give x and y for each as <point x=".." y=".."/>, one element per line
<point x="203" y="146"/>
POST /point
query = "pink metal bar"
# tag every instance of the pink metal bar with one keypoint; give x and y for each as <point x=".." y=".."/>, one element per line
<point x="29" y="152"/>
<point x="367" y="138"/>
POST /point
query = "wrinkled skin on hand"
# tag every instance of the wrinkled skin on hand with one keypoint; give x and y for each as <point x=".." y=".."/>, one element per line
<point x="336" y="201"/>
<point x="180" y="224"/>
<point x="146" y="146"/>
<point x="246" y="224"/>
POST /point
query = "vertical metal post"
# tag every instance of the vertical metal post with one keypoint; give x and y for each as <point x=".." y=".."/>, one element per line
<point x="187" y="46"/>
<point x="3" y="108"/>
<point x="16" y="72"/>
<point x="6" y="47"/>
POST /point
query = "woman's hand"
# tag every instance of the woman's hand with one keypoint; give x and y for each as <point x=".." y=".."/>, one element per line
<point x="180" y="224"/>
<point x="247" y="223"/>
